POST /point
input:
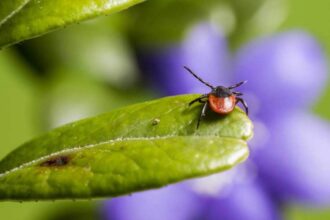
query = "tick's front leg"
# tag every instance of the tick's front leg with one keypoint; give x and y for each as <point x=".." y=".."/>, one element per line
<point x="199" y="99"/>
<point x="203" y="113"/>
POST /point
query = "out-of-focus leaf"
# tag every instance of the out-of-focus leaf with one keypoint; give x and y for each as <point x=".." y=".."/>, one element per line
<point x="24" y="19"/>
<point x="295" y="212"/>
<point x="255" y="17"/>
<point x="18" y="94"/>
<point x="135" y="148"/>
<point x="166" y="21"/>
<point x="49" y="210"/>
<point x="323" y="105"/>
<point x="95" y="48"/>
<point x="82" y="210"/>
<point x="72" y="95"/>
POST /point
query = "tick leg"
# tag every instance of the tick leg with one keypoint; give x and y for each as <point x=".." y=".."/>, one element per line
<point x="244" y="104"/>
<point x="200" y="79"/>
<point x="199" y="99"/>
<point x="237" y="85"/>
<point x="203" y="113"/>
<point x="237" y="93"/>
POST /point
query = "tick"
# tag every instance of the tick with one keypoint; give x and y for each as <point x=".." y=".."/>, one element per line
<point x="221" y="100"/>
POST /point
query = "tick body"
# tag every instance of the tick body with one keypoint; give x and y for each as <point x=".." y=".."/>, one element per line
<point x="222" y="106"/>
<point x="221" y="100"/>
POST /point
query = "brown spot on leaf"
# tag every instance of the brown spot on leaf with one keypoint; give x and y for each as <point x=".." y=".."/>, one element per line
<point x="56" y="161"/>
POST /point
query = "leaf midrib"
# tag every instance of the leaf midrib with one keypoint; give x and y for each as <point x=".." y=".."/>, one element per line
<point x="13" y="13"/>
<point x="69" y="150"/>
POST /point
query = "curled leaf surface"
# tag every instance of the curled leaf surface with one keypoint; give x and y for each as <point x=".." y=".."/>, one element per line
<point x="25" y="19"/>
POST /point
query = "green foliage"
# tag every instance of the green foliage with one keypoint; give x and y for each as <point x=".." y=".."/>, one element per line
<point x="18" y="94"/>
<point x="152" y="23"/>
<point x="165" y="22"/>
<point x="138" y="147"/>
<point x="24" y="19"/>
<point x="95" y="48"/>
<point x="295" y="212"/>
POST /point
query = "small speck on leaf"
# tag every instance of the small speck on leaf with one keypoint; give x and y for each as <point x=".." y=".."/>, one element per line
<point x="155" y="121"/>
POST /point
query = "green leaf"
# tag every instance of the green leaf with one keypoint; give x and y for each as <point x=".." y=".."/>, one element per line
<point x="19" y="93"/>
<point x="166" y="21"/>
<point x="138" y="147"/>
<point x="25" y="19"/>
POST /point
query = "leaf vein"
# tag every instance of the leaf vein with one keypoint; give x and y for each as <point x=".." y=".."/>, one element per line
<point x="14" y="12"/>
<point x="87" y="147"/>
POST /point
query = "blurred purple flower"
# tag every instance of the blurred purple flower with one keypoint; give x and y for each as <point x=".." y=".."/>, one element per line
<point x="246" y="201"/>
<point x="204" y="50"/>
<point x="286" y="73"/>
<point x="174" y="202"/>
<point x="294" y="164"/>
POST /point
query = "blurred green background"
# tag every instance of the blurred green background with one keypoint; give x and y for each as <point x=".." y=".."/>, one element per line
<point x="52" y="80"/>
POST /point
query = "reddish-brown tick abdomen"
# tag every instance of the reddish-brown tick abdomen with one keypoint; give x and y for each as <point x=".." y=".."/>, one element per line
<point x="222" y="105"/>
